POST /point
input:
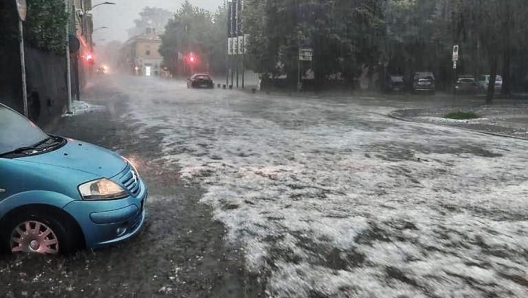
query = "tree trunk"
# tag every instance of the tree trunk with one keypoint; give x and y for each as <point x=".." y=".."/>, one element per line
<point x="493" y="75"/>
<point x="506" y="77"/>
<point x="371" y="72"/>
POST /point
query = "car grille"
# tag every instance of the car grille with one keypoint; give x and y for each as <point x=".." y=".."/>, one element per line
<point x="130" y="180"/>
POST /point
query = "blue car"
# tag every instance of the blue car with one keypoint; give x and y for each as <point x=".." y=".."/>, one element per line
<point x="58" y="195"/>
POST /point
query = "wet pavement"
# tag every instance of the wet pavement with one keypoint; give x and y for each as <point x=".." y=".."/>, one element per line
<point x="292" y="196"/>
<point x="179" y="253"/>
<point x="509" y="119"/>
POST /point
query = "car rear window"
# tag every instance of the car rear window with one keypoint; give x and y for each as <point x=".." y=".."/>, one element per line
<point x="202" y="77"/>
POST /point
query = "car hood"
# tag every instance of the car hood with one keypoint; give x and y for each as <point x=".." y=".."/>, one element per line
<point x="83" y="157"/>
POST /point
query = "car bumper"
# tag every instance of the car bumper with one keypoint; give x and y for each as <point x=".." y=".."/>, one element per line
<point x="424" y="88"/>
<point x="202" y="85"/>
<point x="108" y="222"/>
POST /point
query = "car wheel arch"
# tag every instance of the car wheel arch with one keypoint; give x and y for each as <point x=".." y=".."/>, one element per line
<point x="57" y="213"/>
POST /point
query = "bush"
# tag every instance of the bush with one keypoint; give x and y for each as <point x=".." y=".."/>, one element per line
<point x="461" y="115"/>
<point x="45" y="27"/>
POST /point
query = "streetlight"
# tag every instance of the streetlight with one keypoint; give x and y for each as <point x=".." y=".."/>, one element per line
<point x="96" y="29"/>
<point x="81" y="12"/>
<point x="104" y="3"/>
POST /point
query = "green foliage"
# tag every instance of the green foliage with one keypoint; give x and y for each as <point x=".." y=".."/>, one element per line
<point x="396" y="36"/>
<point x="45" y="26"/>
<point x="196" y="30"/>
<point x="152" y="17"/>
<point x="461" y="115"/>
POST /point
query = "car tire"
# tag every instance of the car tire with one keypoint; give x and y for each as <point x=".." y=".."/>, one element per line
<point x="66" y="233"/>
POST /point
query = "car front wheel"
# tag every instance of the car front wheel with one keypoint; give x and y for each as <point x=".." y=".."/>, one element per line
<point x="38" y="233"/>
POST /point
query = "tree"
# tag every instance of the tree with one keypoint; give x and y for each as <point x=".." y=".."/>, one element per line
<point x="393" y="36"/>
<point x="45" y="25"/>
<point x="152" y="18"/>
<point x="198" y="31"/>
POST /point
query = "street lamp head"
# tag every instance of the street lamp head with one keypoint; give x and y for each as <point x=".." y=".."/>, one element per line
<point x="103" y="3"/>
<point x="97" y="29"/>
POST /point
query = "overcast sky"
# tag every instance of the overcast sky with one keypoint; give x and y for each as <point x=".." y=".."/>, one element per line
<point x="120" y="17"/>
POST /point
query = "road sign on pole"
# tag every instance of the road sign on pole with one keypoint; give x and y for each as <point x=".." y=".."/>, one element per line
<point x="305" y="54"/>
<point x="455" y="52"/>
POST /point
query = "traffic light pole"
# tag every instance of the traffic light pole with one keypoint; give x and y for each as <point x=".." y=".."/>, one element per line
<point x="237" y="68"/>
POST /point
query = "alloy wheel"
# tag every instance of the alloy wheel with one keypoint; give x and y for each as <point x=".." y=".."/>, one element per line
<point x="34" y="237"/>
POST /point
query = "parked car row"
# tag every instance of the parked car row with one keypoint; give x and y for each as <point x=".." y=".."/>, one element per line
<point x="426" y="82"/>
<point x="418" y="82"/>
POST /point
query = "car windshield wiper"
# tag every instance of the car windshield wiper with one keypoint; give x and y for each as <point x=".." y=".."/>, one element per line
<point x="34" y="147"/>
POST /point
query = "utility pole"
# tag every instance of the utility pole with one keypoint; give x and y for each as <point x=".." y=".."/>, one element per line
<point x="23" y="65"/>
<point x="243" y="61"/>
<point x="22" y="9"/>
<point x="68" y="61"/>
<point x="228" y="26"/>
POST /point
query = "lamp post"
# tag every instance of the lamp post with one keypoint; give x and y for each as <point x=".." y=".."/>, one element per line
<point x="97" y="29"/>
<point x="104" y="3"/>
<point x="88" y="12"/>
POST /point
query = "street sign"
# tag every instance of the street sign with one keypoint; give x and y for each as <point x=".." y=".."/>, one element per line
<point x="241" y="45"/>
<point x="235" y="45"/>
<point x="230" y="46"/>
<point x="22" y="9"/>
<point x="455" y="52"/>
<point x="305" y="54"/>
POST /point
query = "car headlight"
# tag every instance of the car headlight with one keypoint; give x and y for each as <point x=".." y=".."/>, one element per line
<point x="102" y="189"/>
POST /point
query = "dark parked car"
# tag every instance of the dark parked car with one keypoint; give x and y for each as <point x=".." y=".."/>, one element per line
<point x="466" y="84"/>
<point x="200" y="81"/>
<point x="395" y="83"/>
<point x="423" y="82"/>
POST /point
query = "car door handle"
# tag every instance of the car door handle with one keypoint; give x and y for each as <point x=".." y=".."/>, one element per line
<point x="2" y="190"/>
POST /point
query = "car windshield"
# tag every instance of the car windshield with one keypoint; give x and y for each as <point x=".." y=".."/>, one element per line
<point x="202" y="77"/>
<point x="17" y="131"/>
<point x="466" y="80"/>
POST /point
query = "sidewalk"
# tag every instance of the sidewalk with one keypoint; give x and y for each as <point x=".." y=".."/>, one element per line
<point x="510" y="120"/>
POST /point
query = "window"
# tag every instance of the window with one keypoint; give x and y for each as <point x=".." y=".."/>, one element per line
<point x="147" y="52"/>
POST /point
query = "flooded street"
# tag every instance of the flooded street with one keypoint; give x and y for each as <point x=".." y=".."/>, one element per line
<point x="279" y="196"/>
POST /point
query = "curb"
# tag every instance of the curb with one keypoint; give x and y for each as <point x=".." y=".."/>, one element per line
<point x="391" y="115"/>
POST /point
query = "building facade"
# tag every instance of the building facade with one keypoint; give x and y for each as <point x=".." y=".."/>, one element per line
<point x="141" y="55"/>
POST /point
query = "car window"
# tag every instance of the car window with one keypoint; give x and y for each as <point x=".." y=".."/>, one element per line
<point x="466" y="80"/>
<point x="202" y="77"/>
<point x="17" y="131"/>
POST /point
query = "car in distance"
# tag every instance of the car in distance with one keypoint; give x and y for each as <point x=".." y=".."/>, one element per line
<point x="423" y="82"/>
<point x="58" y="195"/>
<point x="200" y="81"/>
<point x="395" y="83"/>
<point x="466" y="84"/>
<point x="483" y="83"/>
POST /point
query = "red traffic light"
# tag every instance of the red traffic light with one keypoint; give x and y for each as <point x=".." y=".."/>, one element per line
<point x="192" y="58"/>
<point x="90" y="59"/>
